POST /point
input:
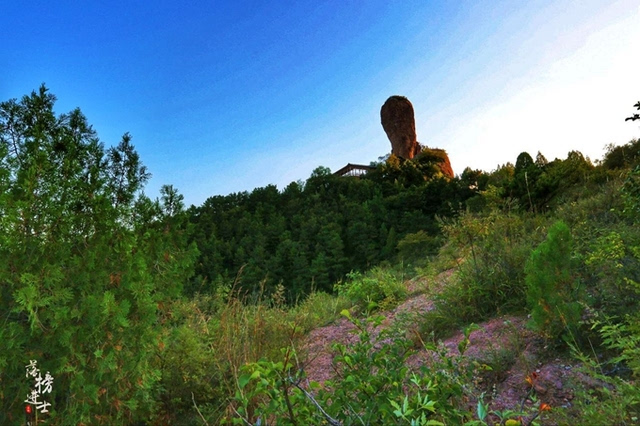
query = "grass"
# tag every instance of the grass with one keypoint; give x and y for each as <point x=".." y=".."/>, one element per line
<point x="214" y="336"/>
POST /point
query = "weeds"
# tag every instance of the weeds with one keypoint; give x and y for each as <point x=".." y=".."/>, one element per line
<point x="214" y="336"/>
<point x="373" y="385"/>
<point x="501" y="357"/>
<point x="378" y="289"/>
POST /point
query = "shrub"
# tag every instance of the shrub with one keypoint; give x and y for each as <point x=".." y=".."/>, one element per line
<point x="491" y="252"/>
<point x="552" y="284"/>
<point x="417" y="246"/>
<point x="602" y="398"/>
<point x="624" y="338"/>
<point x="612" y="269"/>
<point x="373" y="385"/>
<point x="379" y="288"/>
<point x="631" y="194"/>
<point x="210" y="338"/>
<point x="317" y="310"/>
<point x="188" y="364"/>
<point x="607" y="244"/>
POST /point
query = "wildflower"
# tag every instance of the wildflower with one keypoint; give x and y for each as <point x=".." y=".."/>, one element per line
<point x="531" y="378"/>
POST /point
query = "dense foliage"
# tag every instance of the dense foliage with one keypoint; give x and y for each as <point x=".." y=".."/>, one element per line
<point x="312" y="234"/>
<point x="89" y="266"/>
<point x="552" y="284"/>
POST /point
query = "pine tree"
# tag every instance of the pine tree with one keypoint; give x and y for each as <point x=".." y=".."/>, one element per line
<point x="88" y="268"/>
<point x="552" y="284"/>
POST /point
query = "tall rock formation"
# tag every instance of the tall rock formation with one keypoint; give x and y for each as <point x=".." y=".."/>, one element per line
<point x="399" y="124"/>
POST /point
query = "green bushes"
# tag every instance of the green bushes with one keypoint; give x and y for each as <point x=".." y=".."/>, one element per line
<point x="624" y="339"/>
<point x="506" y="262"/>
<point x="608" y="396"/>
<point x="210" y="338"/>
<point x="89" y="267"/>
<point x="379" y="288"/>
<point x="631" y="194"/>
<point x="373" y="385"/>
<point x="490" y="251"/>
<point x="188" y="364"/>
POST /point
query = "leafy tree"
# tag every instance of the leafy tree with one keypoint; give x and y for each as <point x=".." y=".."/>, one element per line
<point x="620" y="157"/>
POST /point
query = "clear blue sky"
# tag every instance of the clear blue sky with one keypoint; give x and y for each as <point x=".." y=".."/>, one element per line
<point x="226" y="96"/>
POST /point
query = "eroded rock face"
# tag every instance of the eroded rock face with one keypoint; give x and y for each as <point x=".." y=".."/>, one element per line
<point x="399" y="124"/>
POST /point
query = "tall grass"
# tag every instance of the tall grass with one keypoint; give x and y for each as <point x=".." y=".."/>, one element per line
<point x="213" y="336"/>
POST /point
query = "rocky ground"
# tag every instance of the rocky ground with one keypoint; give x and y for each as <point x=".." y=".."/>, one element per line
<point x="514" y="352"/>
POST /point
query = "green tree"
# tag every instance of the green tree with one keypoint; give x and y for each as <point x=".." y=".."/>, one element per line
<point x="88" y="271"/>
<point x="552" y="284"/>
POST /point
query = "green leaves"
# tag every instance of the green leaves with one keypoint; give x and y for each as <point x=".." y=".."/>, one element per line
<point x="377" y="289"/>
<point x="465" y="342"/>
<point x="81" y="276"/>
<point x="482" y="409"/>
<point x="372" y="386"/>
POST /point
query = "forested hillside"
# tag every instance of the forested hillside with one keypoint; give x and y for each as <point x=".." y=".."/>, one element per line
<point x="146" y="313"/>
<point x="309" y="235"/>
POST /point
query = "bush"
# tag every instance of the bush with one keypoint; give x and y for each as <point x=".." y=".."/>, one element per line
<point x="490" y="251"/>
<point x="317" y="310"/>
<point x="552" y="284"/>
<point x="602" y="398"/>
<point x="373" y="385"/>
<point x="188" y="364"/>
<point x="379" y="288"/>
<point x="631" y="194"/>
<point x="416" y="247"/>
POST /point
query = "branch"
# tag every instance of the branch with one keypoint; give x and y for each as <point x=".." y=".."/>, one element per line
<point x="634" y="117"/>
<point x="286" y="390"/>
<point x="246" y="422"/>
<point x="193" y="398"/>
<point x="331" y="420"/>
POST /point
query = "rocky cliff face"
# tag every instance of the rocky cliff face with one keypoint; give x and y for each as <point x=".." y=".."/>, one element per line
<point x="399" y="124"/>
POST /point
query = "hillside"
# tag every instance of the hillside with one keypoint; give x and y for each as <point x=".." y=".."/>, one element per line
<point x="502" y="297"/>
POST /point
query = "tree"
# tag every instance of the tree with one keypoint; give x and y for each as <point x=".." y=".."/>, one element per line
<point x="88" y="270"/>
<point x="552" y="284"/>
<point x="624" y="156"/>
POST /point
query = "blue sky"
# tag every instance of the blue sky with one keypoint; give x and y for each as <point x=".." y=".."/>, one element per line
<point x="226" y="96"/>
